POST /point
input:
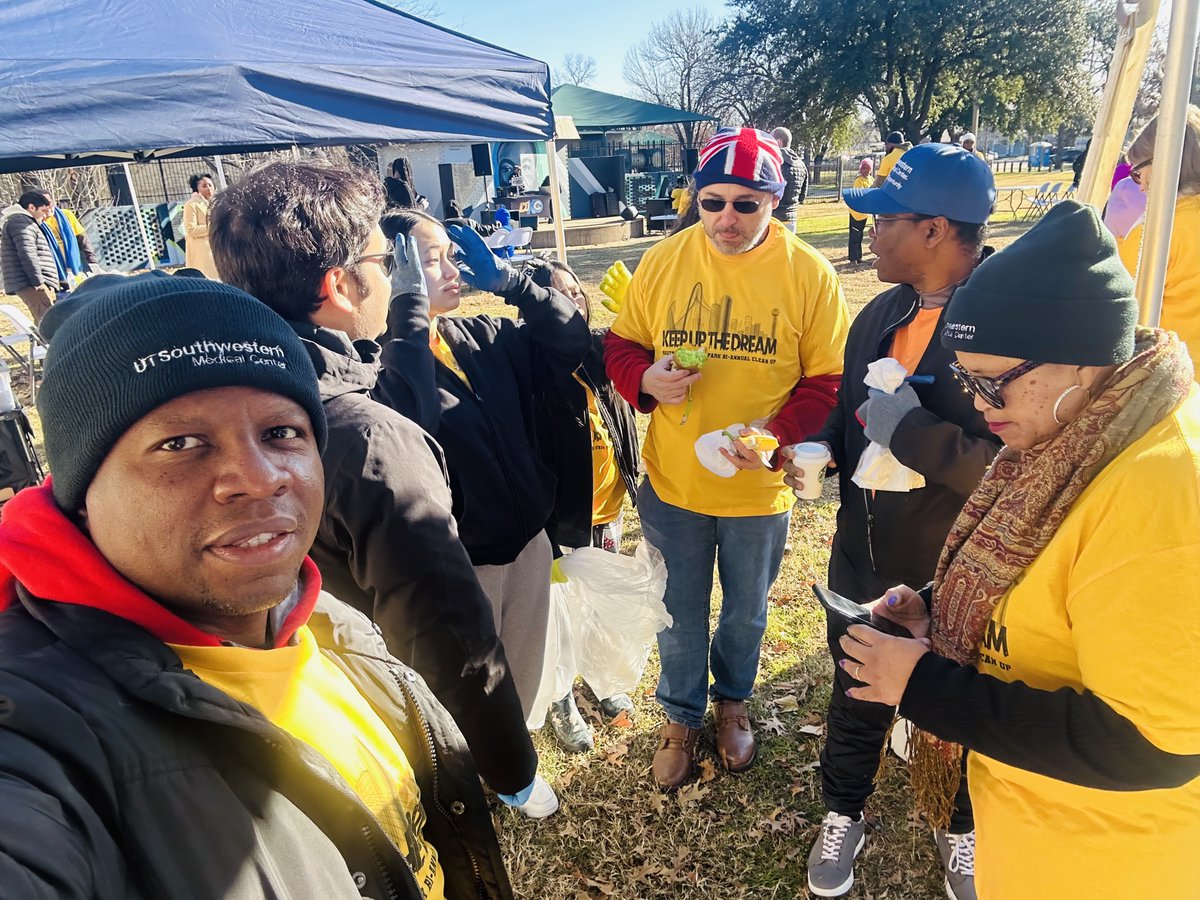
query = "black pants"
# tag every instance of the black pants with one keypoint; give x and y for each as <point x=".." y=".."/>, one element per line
<point x="855" y="732"/>
<point x="857" y="227"/>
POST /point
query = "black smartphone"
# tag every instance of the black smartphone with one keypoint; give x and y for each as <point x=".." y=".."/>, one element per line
<point x="846" y="612"/>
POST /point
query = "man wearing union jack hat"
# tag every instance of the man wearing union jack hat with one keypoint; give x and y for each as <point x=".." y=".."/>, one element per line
<point x="767" y="312"/>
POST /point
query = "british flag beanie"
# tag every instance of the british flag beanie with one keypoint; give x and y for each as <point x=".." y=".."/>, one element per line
<point x="744" y="156"/>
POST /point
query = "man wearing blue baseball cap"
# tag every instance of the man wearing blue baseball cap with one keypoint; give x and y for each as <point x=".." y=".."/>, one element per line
<point x="930" y="223"/>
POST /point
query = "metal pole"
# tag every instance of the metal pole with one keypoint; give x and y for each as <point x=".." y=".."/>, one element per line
<point x="1168" y="154"/>
<point x="1135" y="20"/>
<point x="137" y="215"/>
<point x="560" y="235"/>
<point x="221" y="182"/>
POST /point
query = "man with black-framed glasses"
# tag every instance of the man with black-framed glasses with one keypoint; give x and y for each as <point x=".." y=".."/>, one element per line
<point x="927" y="236"/>
<point x="768" y="311"/>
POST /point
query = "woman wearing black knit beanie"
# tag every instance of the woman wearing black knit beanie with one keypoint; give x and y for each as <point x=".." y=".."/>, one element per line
<point x="1057" y="644"/>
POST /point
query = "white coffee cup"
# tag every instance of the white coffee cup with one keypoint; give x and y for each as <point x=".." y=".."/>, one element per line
<point x="810" y="458"/>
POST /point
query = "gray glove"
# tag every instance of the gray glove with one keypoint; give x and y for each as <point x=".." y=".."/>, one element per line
<point x="408" y="277"/>
<point x="882" y="412"/>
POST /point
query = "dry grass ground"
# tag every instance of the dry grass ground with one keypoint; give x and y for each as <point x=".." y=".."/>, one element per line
<point x="723" y="837"/>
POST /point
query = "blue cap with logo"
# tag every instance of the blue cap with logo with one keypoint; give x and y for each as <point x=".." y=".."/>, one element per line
<point x="931" y="180"/>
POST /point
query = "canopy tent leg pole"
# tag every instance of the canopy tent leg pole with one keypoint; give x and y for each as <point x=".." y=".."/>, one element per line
<point x="221" y="182"/>
<point x="560" y="234"/>
<point x="137" y="216"/>
<point x="1168" y="155"/>
<point x="1135" y="23"/>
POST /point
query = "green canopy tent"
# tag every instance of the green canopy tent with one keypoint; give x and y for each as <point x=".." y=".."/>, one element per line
<point x="599" y="111"/>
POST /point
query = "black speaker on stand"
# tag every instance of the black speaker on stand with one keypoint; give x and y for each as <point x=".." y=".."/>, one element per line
<point x="691" y="159"/>
<point x="481" y="158"/>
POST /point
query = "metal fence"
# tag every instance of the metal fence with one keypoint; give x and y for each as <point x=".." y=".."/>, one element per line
<point x="100" y="196"/>
<point x="658" y="156"/>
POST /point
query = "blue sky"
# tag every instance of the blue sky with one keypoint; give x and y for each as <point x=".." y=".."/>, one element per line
<point x="548" y="29"/>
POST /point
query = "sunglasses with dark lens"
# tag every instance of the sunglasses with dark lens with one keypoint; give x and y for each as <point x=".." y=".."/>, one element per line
<point x="989" y="388"/>
<point x="1136" y="172"/>
<point x="745" y="207"/>
<point x="387" y="261"/>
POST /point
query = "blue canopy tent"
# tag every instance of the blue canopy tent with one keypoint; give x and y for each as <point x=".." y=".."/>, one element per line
<point x="88" y="82"/>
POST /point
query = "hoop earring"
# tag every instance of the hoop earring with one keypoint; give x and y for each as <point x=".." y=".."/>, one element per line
<point x="1061" y="398"/>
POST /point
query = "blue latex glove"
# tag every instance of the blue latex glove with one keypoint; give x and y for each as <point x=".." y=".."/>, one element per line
<point x="408" y="276"/>
<point x="882" y="412"/>
<point x="480" y="267"/>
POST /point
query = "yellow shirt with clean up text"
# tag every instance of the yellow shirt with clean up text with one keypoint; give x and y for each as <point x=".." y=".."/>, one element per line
<point x="309" y="697"/>
<point x="767" y="318"/>
<point x="1111" y="606"/>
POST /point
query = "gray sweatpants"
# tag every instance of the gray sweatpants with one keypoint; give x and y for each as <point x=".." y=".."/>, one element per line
<point x="520" y="596"/>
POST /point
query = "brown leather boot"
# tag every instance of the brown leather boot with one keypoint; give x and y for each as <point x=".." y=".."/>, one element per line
<point x="735" y="737"/>
<point x="675" y="758"/>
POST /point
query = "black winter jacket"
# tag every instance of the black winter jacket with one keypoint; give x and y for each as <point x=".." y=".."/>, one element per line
<point x="795" y="177"/>
<point x="896" y="537"/>
<point x="389" y="547"/>
<point x="503" y="492"/>
<point x="26" y="259"/>
<point x="565" y="444"/>
<point x="123" y="775"/>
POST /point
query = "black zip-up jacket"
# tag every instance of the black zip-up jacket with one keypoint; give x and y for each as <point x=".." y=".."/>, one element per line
<point x="123" y="775"/>
<point x="388" y="546"/>
<point x="503" y="492"/>
<point x="565" y="443"/>
<point x="795" y="178"/>
<point x="895" y="537"/>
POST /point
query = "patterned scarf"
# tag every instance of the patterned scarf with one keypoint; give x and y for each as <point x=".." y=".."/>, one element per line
<point x="1014" y="514"/>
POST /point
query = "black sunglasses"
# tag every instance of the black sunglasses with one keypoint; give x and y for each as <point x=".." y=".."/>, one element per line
<point x="386" y="260"/>
<point x="745" y="207"/>
<point x="989" y="388"/>
<point x="1136" y="172"/>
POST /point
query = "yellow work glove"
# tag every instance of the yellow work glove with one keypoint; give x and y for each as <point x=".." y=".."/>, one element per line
<point x="556" y="573"/>
<point x="614" y="284"/>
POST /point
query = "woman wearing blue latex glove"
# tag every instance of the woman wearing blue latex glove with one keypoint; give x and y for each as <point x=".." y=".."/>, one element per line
<point x="487" y="370"/>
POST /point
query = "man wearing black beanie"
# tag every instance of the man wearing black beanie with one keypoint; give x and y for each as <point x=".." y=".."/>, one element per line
<point x="175" y="688"/>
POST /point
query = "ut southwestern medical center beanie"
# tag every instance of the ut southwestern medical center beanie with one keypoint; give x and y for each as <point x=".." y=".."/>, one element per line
<point x="137" y="344"/>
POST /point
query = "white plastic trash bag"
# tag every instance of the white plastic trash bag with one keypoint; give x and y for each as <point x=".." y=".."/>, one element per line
<point x="558" y="669"/>
<point x="878" y="469"/>
<point x="616" y="609"/>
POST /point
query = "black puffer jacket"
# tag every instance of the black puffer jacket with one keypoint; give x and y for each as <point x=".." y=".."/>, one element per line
<point x="503" y="493"/>
<point x="26" y="259"/>
<point x="795" y="177"/>
<point x="565" y="444"/>
<point x="389" y="547"/>
<point x="885" y="538"/>
<point x="123" y="775"/>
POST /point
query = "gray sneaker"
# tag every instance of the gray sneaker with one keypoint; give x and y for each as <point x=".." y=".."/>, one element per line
<point x="831" y="862"/>
<point x="568" y="725"/>
<point x="958" y="859"/>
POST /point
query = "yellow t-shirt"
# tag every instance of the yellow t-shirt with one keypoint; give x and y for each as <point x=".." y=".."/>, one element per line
<point x="1181" y="295"/>
<point x="608" y="487"/>
<point x="1110" y="605"/>
<point x="681" y="199"/>
<point x="76" y="227"/>
<point x="767" y="318"/>
<point x="885" y="164"/>
<point x="310" y="698"/>
<point x="862" y="181"/>
<point x="443" y="354"/>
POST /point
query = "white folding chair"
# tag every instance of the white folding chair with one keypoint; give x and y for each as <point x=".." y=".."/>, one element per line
<point x="1040" y="202"/>
<point x="520" y="239"/>
<point x="496" y="240"/>
<point x="26" y="335"/>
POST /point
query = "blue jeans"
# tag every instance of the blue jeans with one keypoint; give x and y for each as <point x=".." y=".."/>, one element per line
<point x="747" y="550"/>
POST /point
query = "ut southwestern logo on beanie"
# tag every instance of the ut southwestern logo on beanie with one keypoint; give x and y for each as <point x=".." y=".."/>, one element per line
<point x="141" y="342"/>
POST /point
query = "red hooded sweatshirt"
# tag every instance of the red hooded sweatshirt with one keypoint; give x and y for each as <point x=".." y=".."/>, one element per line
<point x="47" y="553"/>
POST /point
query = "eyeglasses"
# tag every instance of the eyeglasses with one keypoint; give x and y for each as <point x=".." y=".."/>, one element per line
<point x="745" y="207"/>
<point x="386" y="260"/>
<point x="884" y="220"/>
<point x="989" y="388"/>
<point x="1136" y="172"/>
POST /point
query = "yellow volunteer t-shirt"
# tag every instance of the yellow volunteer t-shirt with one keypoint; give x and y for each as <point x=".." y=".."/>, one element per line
<point x="862" y="181"/>
<point x="1181" y="294"/>
<point x="885" y="164"/>
<point x="443" y="354"/>
<point x="310" y="698"/>
<point x="767" y="318"/>
<point x="608" y="487"/>
<point x="1110" y="606"/>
